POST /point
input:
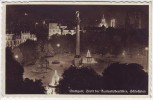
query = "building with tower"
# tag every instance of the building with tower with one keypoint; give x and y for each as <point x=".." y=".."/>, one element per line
<point x="103" y="22"/>
<point x="100" y="27"/>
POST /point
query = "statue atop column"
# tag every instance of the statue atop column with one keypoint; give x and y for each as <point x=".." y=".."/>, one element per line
<point x="78" y="17"/>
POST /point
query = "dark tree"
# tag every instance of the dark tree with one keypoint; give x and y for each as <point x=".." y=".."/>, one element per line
<point x="14" y="78"/>
<point x="32" y="87"/>
<point x="28" y="50"/>
<point x="41" y="32"/>
<point x="79" y="79"/>
<point x="14" y="73"/>
<point x="125" y="77"/>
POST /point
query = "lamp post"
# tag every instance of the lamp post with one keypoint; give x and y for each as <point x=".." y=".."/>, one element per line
<point x="123" y="53"/>
<point x="36" y="23"/>
<point x="146" y="50"/>
<point x="58" y="46"/>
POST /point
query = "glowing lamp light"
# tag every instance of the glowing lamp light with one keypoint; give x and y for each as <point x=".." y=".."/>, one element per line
<point x="36" y="23"/>
<point x="58" y="45"/>
<point x="16" y="56"/>
<point x="123" y="53"/>
<point x="146" y="48"/>
<point x="43" y="22"/>
<point x="35" y="39"/>
<point x="25" y="14"/>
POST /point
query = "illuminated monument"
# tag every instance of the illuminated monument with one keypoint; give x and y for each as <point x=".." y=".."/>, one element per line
<point x="77" y="58"/>
<point x="78" y="61"/>
<point x="88" y="59"/>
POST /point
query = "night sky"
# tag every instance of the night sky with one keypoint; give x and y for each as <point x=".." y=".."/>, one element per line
<point x="90" y="14"/>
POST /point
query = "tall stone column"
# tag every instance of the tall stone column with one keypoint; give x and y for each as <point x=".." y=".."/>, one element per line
<point x="77" y="54"/>
<point x="77" y="58"/>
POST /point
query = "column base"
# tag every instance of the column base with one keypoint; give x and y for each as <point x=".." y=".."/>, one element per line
<point x="77" y="61"/>
<point x="77" y="56"/>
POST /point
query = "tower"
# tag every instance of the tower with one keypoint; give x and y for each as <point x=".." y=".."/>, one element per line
<point x="113" y="22"/>
<point x="103" y="22"/>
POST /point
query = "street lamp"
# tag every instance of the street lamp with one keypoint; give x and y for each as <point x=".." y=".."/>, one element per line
<point x="123" y="53"/>
<point x="44" y="22"/>
<point x="35" y="39"/>
<point x="36" y="23"/>
<point x="16" y="56"/>
<point x="58" y="45"/>
<point x="146" y="48"/>
<point x="26" y="14"/>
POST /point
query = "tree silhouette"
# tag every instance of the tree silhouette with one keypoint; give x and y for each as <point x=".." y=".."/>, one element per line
<point x="32" y="87"/>
<point x="48" y="49"/>
<point x="78" y="79"/>
<point x="125" y="77"/>
<point x="14" y="72"/>
<point x="14" y="78"/>
<point x="28" y="50"/>
<point x="115" y="77"/>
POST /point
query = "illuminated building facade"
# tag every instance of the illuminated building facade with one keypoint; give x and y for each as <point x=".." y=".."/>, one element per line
<point x="55" y="28"/>
<point x="67" y="31"/>
<point x="13" y="40"/>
